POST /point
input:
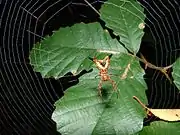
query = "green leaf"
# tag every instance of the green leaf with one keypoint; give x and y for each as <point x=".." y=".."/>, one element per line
<point x="161" y="128"/>
<point x="124" y="17"/>
<point x="68" y="49"/>
<point x="176" y="73"/>
<point x="83" y="111"/>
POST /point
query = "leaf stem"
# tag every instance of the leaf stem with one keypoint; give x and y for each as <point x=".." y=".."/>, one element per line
<point x="138" y="100"/>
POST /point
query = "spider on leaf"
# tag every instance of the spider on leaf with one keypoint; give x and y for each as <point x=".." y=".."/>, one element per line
<point x="103" y="66"/>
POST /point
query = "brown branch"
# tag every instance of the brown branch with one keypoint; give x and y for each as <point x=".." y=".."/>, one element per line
<point x="138" y="100"/>
<point x="148" y="64"/>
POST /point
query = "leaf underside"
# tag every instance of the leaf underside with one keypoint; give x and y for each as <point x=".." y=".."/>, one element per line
<point x="176" y="73"/>
<point x="161" y="128"/>
<point x="124" y="18"/>
<point x="83" y="111"/>
<point x="68" y="49"/>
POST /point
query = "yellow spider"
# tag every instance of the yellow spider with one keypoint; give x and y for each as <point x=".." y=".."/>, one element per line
<point x="103" y="66"/>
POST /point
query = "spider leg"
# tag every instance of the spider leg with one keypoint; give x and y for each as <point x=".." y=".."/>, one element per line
<point x="99" y="88"/>
<point x="114" y="86"/>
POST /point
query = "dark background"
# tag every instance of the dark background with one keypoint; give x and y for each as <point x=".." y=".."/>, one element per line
<point x="26" y="99"/>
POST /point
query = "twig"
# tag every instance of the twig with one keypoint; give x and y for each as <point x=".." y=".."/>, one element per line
<point x="148" y="64"/>
<point x="137" y="99"/>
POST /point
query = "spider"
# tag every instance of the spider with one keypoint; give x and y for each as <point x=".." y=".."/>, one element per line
<point x="103" y="66"/>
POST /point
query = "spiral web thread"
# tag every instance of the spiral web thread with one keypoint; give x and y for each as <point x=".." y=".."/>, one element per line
<point x="25" y="98"/>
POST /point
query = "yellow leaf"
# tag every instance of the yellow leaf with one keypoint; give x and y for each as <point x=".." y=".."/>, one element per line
<point x="164" y="114"/>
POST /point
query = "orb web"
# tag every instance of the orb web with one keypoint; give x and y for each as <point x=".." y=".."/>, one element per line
<point x="27" y="99"/>
<point x="163" y="23"/>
